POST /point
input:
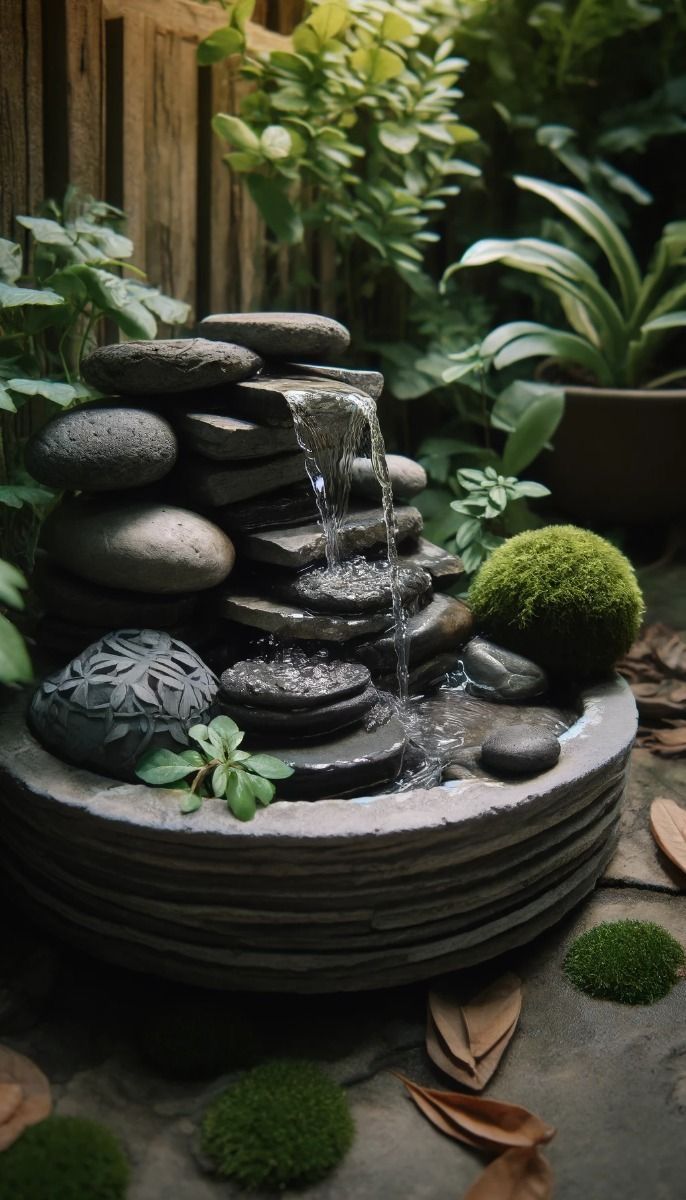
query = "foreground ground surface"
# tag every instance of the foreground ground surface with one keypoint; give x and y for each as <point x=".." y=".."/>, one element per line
<point x="611" y="1078"/>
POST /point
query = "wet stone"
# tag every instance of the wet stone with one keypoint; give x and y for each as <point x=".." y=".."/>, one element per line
<point x="521" y="750"/>
<point x="356" y="586"/>
<point x="498" y="674"/>
<point x="442" y="627"/>
<point x="279" y="334"/>
<point x="408" y="478"/>
<point x="141" y="368"/>
<point x="369" y="382"/>
<point x="266" y="400"/>
<point x="148" y="547"/>
<point x="303" y="723"/>
<point x="301" y="546"/>
<point x="293" y="679"/>
<point x="292" y="506"/>
<point x="97" y="448"/>
<point x="424" y="678"/>
<point x="345" y="766"/>
<point x="214" y="484"/>
<point x="444" y="568"/>
<point x="292" y="621"/>
<point x="230" y="439"/>
<point x="73" y="598"/>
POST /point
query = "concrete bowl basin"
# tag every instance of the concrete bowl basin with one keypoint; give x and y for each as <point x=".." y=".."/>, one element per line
<point x="332" y="895"/>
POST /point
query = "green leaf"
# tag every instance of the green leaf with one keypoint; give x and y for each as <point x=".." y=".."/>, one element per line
<point x="110" y="243"/>
<point x="199" y="733"/>
<point x="268" y="767"/>
<point x="58" y="393"/>
<point x="395" y="28"/>
<point x="16" y="297"/>
<point x="376" y="64"/>
<point x="529" y="489"/>
<point x="276" y="208"/>
<point x="163" y="767"/>
<point x="327" y="20"/>
<point x="399" y="139"/>
<point x="235" y="131"/>
<point x="219" y="45"/>
<point x="15" y="664"/>
<point x="167" y="308"/>
<point x="111" y="293"/>
<point x="468" y="530"/>
<point x="191" y="803"/>
<point x="673" y="320"/>
<point x="194" y="757"/>
<point x="15" y="495"/>
<point x="10" y="261"/>
<point x="240" y="797"/>
<point x="6" y="402"/>
<point x="12" y="583"/>
<point x="513" y="402"/>
<point x="49" y="233"/>
<point x="263" y="789"/>
<point x="534" y="429"/>
<point x="224" y="726"/>
<point x="553" y="343"/>
<point x="220" y="780"/>
<point x="276" y="142"/>
<point x="242" y="12"/>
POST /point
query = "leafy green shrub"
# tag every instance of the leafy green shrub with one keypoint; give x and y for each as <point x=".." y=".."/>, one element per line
<point x="285" y="1124"/>
<point x="191" y="1037"/>
<point x="562" y="596"/>
<point x="635" y="962"/>
<point x="64" y="1158"/>
<point x="218" y="768"/>
<point x="15" y="665"/>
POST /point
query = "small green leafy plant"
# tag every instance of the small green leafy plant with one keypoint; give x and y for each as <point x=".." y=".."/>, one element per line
<point x="615" y="333"/>
<point x="15" y="665"/>
<point x="487" y="497"/>
<point x="218" y="768"/>
<point x="64" y="1158"/>
<point x="634" y="962"/>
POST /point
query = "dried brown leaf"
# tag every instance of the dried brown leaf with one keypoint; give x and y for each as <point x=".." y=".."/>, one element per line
<point x="483" y="1123"/>
<point x="670" y="651"/>
<point x="668" y="827"/>
<point x="668" y="743"/>
<point x="468" y="1041"/>
<point x="36" y="1101"/>
<point x="10" y="1098"/>
<point x="515" y="1175"/>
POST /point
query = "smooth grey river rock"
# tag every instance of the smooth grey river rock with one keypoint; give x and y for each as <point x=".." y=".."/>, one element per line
<point x="230" y="439"/>
<point x="302" y="545"/>
<point x="279" y="334"/>
<point x="293" y="621"/>
<point x="443" y="626"/>
<point x="76" y="600"/>
<point x="521" y="750"/>
<point x="408" y="478"/>
<point x="369" y="382"/>
<point x="499" y="674"/>
<point x="293" y="680"/>
<point x="444" y="568"/>
<point x="355" y="586"/>
<point x="153" y="368"/>
<point x="97" y="448"/>
<point x="345" y="765"/>
<point x="265" y="399"/>
<point x="147" y="547"/>
<point x="214" y="484"/>
<point x="303" y="723"/>
<point x="134" y="691"/>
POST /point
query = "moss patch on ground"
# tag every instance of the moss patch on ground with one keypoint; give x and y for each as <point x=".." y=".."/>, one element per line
<point x="64" y="1158"/>
<point x="635" y="962"/>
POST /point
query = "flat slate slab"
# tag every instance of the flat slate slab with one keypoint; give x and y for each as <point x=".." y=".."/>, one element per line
<point x="279" y="334"/>
<point x="230" y="439"/>
<point x="265" y="399"/>
<point x="370" y="382"/>
<point x="302" y="545"/>
<point x="293" y="681"/>
<point x="141" y="368"/>
<point x="344" y="764"/>
<point x="293" y="621"/>
<point x="444" y="568"/>
<point x="292" y="506"/>
<point x="302" y="724"/>
<point x="444" y="625"/>
<point x="356" y="586"/>
<point x="213" y="484"/>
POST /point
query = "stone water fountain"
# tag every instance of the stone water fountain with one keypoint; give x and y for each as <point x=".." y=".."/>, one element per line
<point x="235" y="539"/>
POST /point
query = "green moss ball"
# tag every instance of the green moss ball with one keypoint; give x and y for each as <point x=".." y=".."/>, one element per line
<point x="635" y="962"/>
<point x="64" y="1158"/>
<point x="191" y="1037"/>
<point x="561" y="596"/>
<point x="284" y="1124"/>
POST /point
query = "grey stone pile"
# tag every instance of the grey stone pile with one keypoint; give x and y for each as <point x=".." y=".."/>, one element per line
<point x="190" y="464"/>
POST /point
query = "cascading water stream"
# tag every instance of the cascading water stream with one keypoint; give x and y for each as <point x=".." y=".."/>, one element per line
<point x="329" y="428"/>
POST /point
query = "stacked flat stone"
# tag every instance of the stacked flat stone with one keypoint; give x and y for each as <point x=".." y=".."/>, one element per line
<point x="197" y="453"/>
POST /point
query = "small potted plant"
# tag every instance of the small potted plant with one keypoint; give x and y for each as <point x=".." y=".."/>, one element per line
<point x="618" y="452"/>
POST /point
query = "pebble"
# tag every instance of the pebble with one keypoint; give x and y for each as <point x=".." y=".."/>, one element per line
<point x="498" y="674"/>
<point x="408" y="478"/>
<point x="521" y="750"/>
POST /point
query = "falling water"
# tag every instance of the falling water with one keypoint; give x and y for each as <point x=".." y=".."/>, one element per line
<point x="329" y="428"/>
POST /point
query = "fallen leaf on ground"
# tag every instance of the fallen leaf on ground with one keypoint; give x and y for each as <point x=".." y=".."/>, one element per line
<point x="668" y="827"/>
<point x="656" y="670"/>
<point x="10" y="1099"/>
<point x="467" y="1041"/>
<point x="670" y="650"/>
<point x="484" y="1124"/>
<point x="516" y="1175"/>
<point x="668" y="743"/>
<point x="35" y="1101"/>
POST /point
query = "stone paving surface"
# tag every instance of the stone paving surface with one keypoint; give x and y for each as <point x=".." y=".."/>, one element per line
<point x="612" y="1078"/>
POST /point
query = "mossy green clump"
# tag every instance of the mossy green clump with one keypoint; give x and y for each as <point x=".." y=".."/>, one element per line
<point x="64" y="1158"/>
<point x="198" y="1037"/>
<point x="284" y="1124"/>
<point x="635" y="962"/>
<point x="561" y="596"/>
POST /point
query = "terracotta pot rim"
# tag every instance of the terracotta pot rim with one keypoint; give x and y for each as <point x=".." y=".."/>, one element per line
<point x="618" y="393"/>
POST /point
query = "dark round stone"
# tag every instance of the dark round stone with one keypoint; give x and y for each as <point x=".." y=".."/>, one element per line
<point x="76" y="600"/>
<point x="495" y="673"/>
<point x="132" y="691"/>
<point x="356" y="586"/>
<point x="173" y="365"/>
<point x="279" y="334"/>
<point x="303" y="722"/>
<point x="97" y="448"/>
<point x="407" y="477"/>
<point x="520" y="750"/>
<point x="293" y="679"/>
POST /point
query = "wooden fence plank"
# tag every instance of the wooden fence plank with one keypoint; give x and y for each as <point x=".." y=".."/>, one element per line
<point x="85" y="95"/>
<point x="188" y="19"/>
<point x="134" y="122"/>
<point x="21" y="143"/>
